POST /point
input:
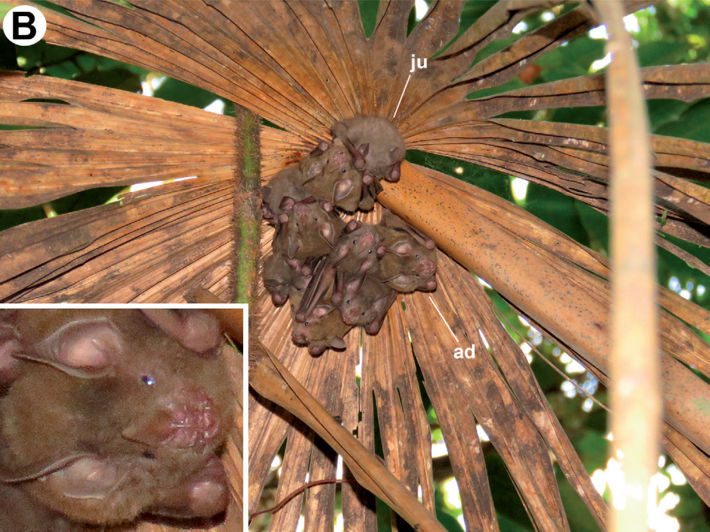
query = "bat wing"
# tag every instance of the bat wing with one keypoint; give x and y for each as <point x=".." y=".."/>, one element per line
<point x="320" y="283"/>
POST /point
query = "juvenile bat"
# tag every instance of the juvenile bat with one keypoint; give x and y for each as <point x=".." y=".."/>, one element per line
<point x="112" y="415"/>
<point x="285" y="184"/>
<point x="377" y="147"/>
<point x="367" y="305"/>
<point x="330" y="175"/>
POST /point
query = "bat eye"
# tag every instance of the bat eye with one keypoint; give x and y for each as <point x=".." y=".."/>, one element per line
<point x="369" y="251"/>
<point x="148" y="380"/>
<point x="305" y="324"/>
<point x="343" y="170"/>
<point x="149" y="454"/>
<point x="416" y="256"/>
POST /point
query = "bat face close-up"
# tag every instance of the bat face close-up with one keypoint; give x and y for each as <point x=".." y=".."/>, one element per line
<point x="114" y="413"/>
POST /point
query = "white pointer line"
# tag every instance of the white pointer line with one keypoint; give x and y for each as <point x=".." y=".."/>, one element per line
<point x="400" y="98"/>
<point x="444" y="319"/>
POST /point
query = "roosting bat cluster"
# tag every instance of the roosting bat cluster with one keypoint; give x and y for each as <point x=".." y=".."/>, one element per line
<point x="109" y="414"/>
<point x="341" y="275"/>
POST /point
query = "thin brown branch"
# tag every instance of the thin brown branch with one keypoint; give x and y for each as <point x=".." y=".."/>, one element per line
<point x="308" y="485"/>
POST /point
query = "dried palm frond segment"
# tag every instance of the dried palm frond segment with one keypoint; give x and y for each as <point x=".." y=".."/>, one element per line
<point x="143" y="247"/>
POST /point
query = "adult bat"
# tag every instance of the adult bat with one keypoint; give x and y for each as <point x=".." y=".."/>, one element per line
<point x="409" y="261"/>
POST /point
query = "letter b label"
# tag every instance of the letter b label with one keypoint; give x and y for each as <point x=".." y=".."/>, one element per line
<point x="24" y="25"/>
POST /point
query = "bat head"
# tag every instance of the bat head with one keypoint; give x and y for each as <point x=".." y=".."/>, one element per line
<point x="112" y="405"/>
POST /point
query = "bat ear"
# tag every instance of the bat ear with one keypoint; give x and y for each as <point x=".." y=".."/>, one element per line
<point x="359" y="162"/>
<point x="311" y="167"/>
<point x="327" y="206"/>
<point x="363" y="149"/>
<point x="83" y="348"/>
<point x="202" y="494"/>
<point x="278" y="299"/>
<point x="336" y="343"/>
<point x="321" y="310"/>
<point x="293" y="246"/>
<point x="394" y="174"/>
<point x="196" y="330"/>
<point x="323" y="146"/>
<point x="38" y="469"/>
<point x="89" y="477"/>
<point x="431" y="285"/>
<point x="327" y="231"/>
<point x="373" y="327"/>
<point x="287" y="203"/>
<point x="353" y="285"/>
<point x="402" y="248"/>
<point x="316" y="350"/>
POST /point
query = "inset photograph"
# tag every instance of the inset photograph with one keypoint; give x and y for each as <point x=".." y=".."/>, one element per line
<point x="120" y="419"/>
